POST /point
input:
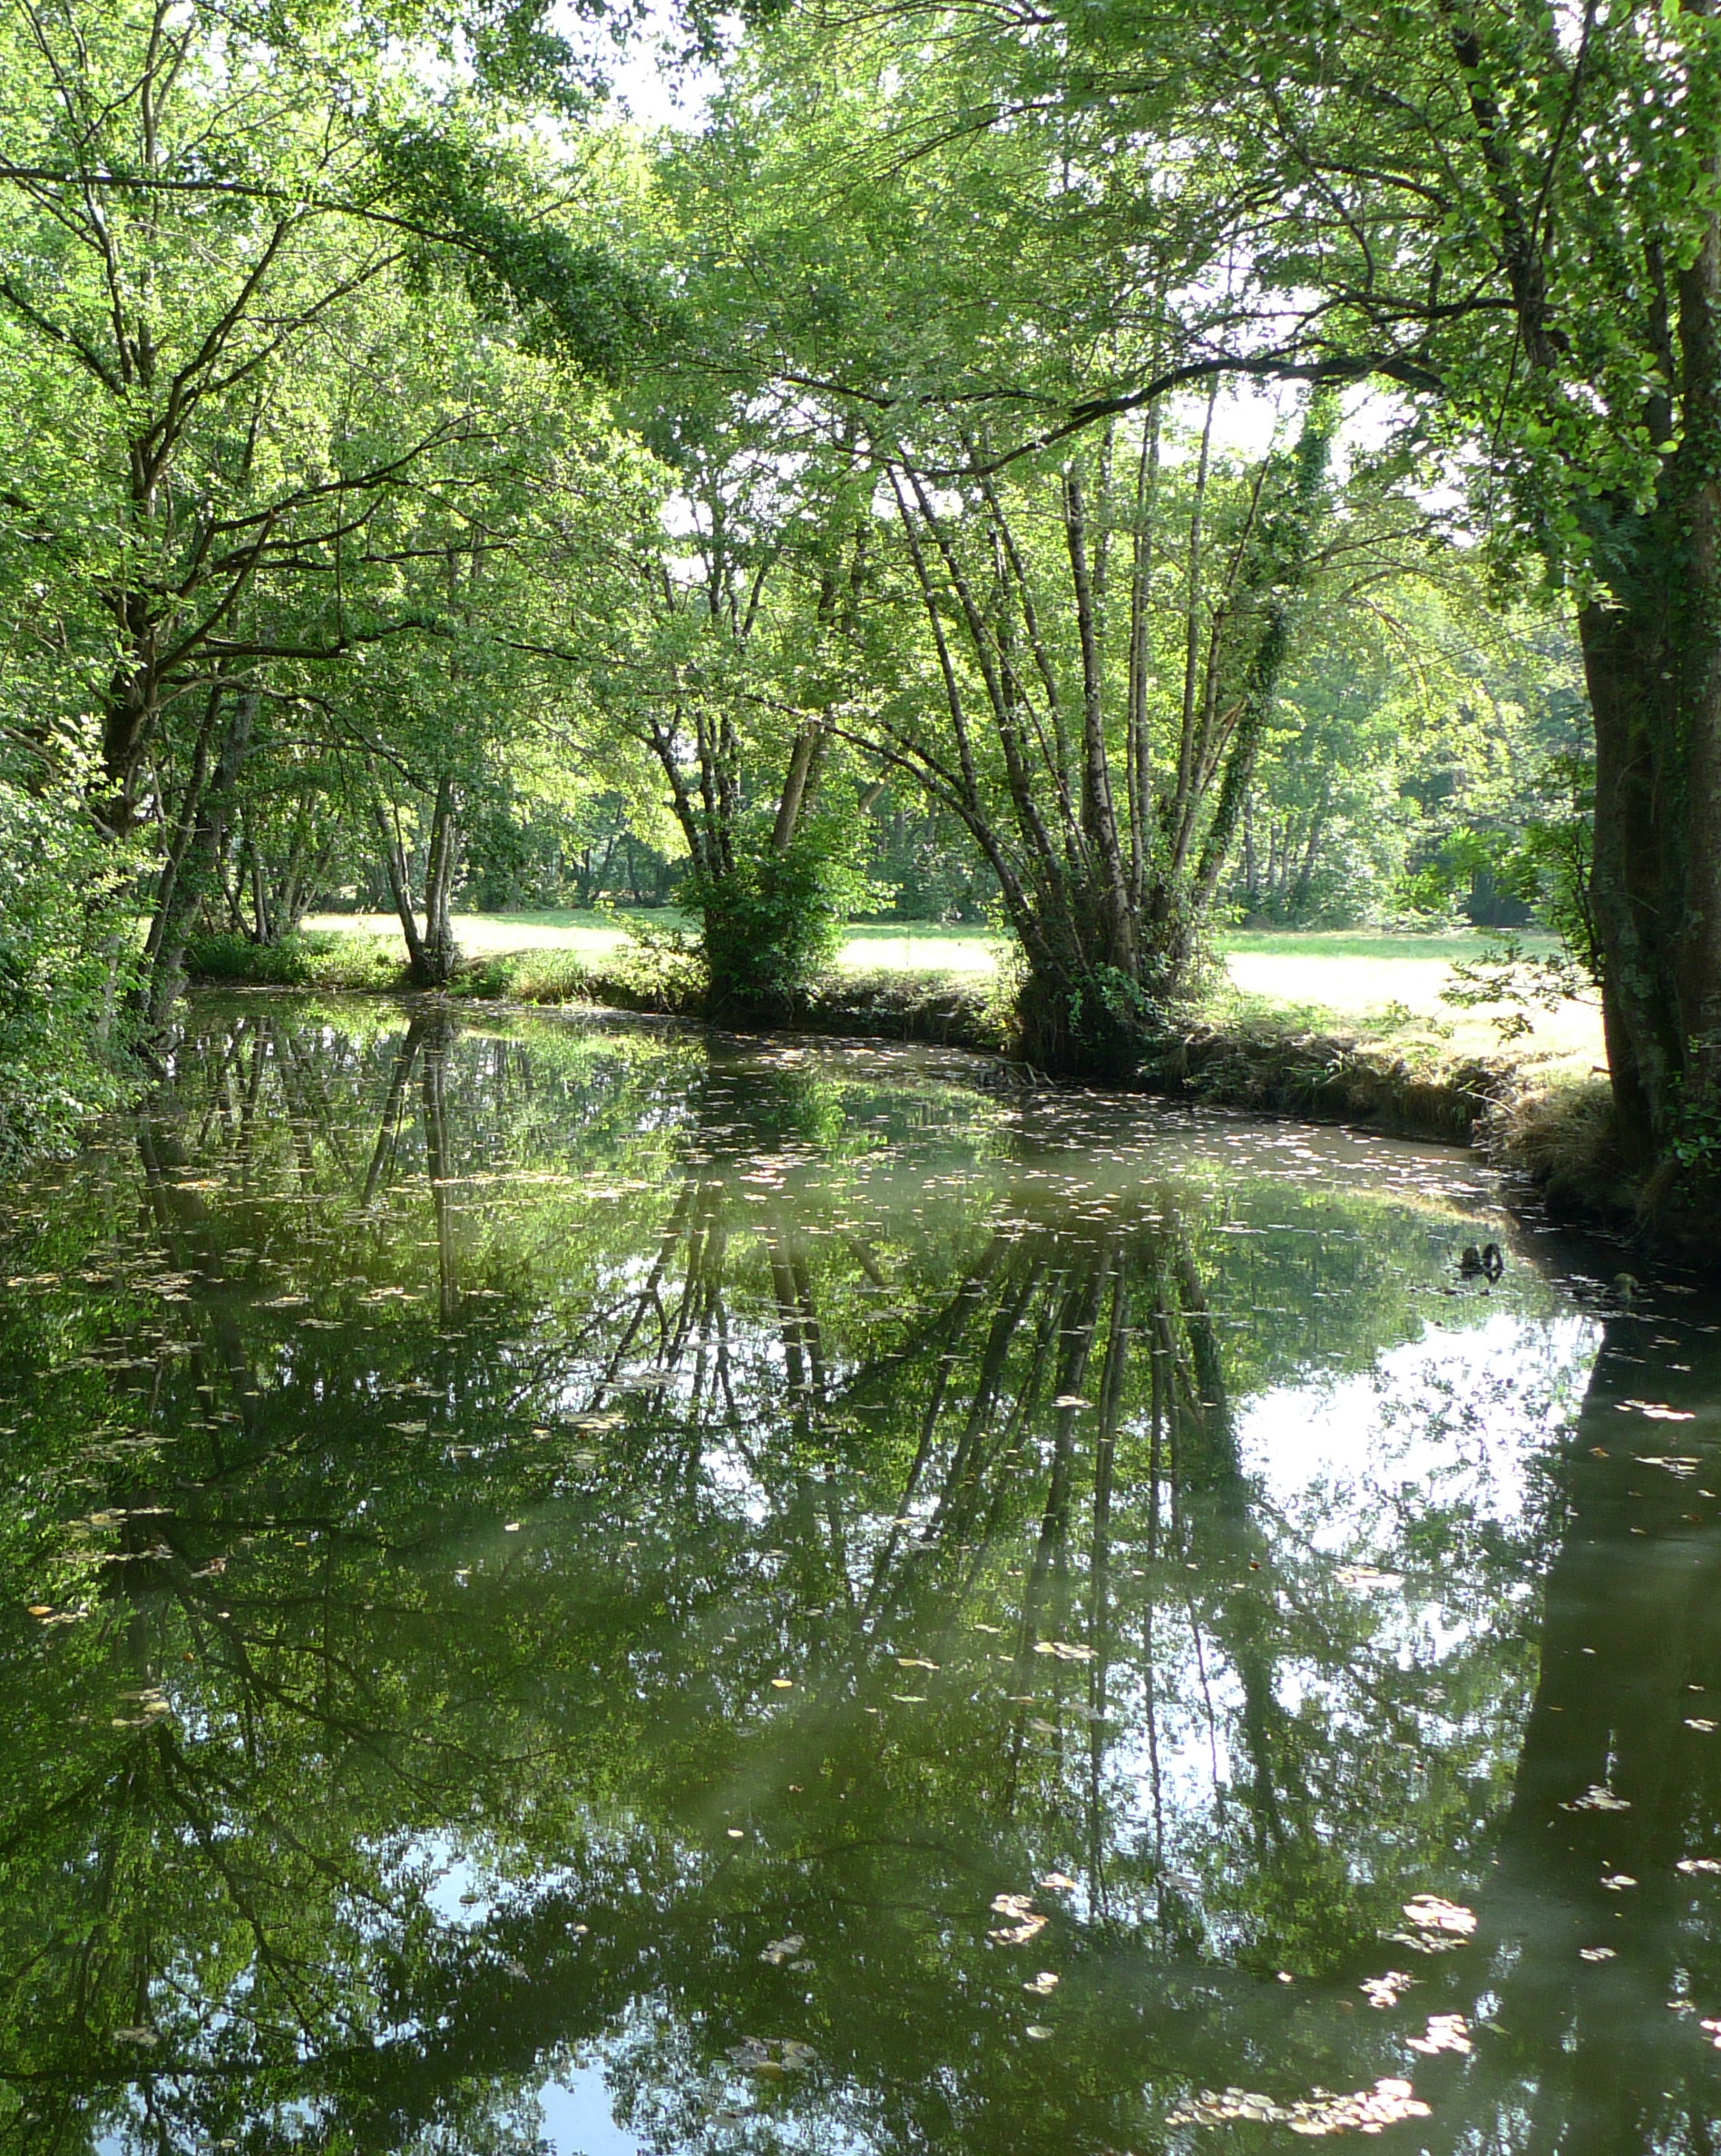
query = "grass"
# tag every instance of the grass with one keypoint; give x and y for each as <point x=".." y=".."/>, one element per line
<point x="909" y="947"/>
<point x="1437" y="945"/>
<point x="1385" y="986"/>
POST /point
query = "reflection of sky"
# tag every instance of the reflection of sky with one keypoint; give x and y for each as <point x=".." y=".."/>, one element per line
<point x="577" y="2117"/>
<point x="1460" y="1418"/>
<point x="1461" y="1415"/>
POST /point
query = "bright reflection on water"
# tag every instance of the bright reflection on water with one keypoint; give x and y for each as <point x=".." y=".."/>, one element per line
<point x="589" y="1588"/>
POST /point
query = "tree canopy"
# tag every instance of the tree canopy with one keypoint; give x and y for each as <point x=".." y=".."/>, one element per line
<point x="1124" y="472"/>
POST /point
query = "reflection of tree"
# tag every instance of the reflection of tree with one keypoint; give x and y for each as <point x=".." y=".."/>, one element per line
<point x="776" y="1451"/>
<point x="1613" y="1783"/>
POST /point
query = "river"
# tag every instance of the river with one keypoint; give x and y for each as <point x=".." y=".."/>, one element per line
<point x="575" y="1587"/>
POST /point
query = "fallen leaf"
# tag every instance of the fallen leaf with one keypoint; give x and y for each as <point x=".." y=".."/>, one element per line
<point x="1445" y="2033"/>
<point x="1429" y="1912"/>
<point x="1026" y="1921"/>
<point x="1366" y="2111"/>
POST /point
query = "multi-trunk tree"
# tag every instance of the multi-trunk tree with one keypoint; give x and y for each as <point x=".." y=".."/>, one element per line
<point x="1509" y="216"/>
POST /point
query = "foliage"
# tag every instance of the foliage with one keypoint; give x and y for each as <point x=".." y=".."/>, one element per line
<point x="775" y="920"/>
<point x="65" y="960"/>
<point x="302" y="959"/>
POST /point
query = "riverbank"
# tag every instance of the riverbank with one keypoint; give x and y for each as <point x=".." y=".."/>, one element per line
<point x="1542" y="1116"/>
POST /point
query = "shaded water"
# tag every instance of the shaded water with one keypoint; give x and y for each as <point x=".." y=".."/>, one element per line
<point x="596" y="1588"/>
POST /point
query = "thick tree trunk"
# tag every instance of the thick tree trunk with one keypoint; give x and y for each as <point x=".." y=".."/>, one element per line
<point x="1650" y="662"/>
<point x="1627" y="652"/>
<point x="1652" y="657"/>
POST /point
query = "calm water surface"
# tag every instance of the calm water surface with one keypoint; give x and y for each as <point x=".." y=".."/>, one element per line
<point x="587" y="1588"/>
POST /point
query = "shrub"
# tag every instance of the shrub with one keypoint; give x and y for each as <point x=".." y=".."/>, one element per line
<point x="308" y="959"/>
<point x="67" y="956"/>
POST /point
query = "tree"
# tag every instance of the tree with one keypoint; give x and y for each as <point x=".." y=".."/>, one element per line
<point x="1508" y="214"/>
<point x="263" y="338"/>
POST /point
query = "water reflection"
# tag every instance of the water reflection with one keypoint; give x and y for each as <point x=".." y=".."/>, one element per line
<point x="603" y="1588"/>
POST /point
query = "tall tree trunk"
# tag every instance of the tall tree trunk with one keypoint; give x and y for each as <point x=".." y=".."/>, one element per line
<point x="188" y="875"/>
<point x="1652" y="658"/>
<point x="397" y="868"/>
<point x="441" y="952"/>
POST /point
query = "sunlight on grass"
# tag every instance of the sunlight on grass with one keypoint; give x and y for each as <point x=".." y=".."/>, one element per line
<point x="1319" y="979"/>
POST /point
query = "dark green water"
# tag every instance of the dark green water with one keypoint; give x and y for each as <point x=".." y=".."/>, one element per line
<point x="592" y="1589"/>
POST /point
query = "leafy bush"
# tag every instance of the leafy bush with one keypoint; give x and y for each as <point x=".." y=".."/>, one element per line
<point x="775" y="921"/>
<point x="67" y="955"/>
<point x="311" y="958"/>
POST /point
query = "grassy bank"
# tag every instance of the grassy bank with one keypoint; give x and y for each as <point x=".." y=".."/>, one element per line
<point x="1377" y="1049"/>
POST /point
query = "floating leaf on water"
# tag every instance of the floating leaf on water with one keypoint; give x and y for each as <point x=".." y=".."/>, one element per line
<point x="1700" y="1721"/>
<point x="782" y="1950"/>
<point x="1044" y="1985"/>
<point x="1025" y="1924"/>
<point x="1445" y="2033"/>
<point x="1058" y="1883"/>
<point x="147" y="2037"/>
<point x="915" y="1662"/>
<point x="1038" y="2029"/>
<point x="1063" y="1651"/>
<point x="1387" y="1990"/>
<point x="771" y="2057"/>
<point x="1698" y="1864"/>
<point x="1596" y="1953"/>
<point x="909" y="1699"/>
<point x="1431" y="1913"/>
<point x="1615" y="1881"/>
<point x="1656" y="1410"/>
<point x="1368" y="2110"/>
<point x="1597" y="1798"/>
<point x="1071" y="1400"/>
<point x="782" y="1684"/>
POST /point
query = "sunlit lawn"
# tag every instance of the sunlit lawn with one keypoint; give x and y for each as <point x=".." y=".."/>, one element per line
<point x="1335" y="976"/>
